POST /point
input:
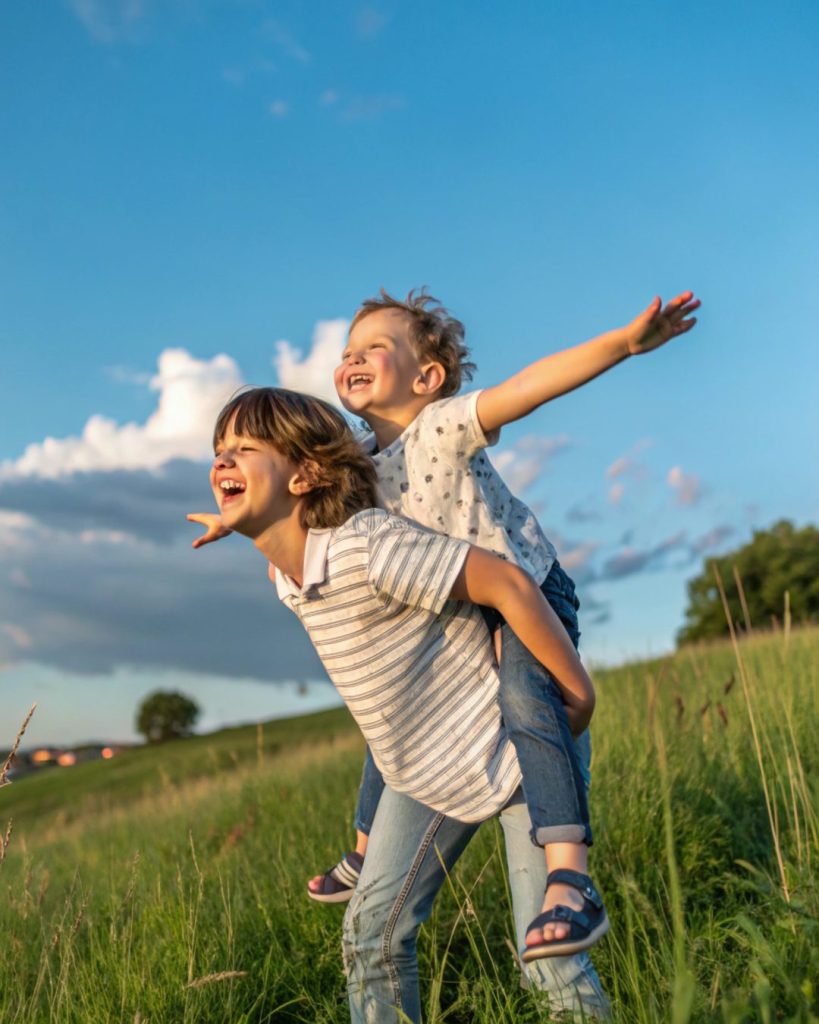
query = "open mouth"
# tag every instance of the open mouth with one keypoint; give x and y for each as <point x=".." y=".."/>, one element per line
<point x="358" y="381"/>
<point x="230" y="489"/>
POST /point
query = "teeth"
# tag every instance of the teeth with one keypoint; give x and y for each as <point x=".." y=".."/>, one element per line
<point x="231" y="485"/>
<point x="359" y="379"/>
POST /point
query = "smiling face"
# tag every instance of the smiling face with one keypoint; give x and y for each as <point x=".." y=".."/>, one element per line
<point x="379" y="371"/>
<point x="254" y="485"/>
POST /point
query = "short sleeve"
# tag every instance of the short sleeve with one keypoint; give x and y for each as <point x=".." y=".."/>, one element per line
<point x="451" y="428"/>
<point x="413" y="565"/>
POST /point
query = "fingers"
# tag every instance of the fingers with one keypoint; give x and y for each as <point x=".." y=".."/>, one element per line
<point x="685" y="325"/>
<point x="653" y="307"/>
<point x="681" y="306"/>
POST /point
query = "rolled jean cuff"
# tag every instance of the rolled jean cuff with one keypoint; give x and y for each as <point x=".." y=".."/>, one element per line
<point x="561" y="834"/>
<point x="362" y="826"/>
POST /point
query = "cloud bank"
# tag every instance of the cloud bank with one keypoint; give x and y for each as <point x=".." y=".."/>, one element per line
<point x="191" y="392"/>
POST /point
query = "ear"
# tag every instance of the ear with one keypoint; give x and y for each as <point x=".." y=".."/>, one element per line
<point x="305" y="479"/>
<point x="430" y="379"/>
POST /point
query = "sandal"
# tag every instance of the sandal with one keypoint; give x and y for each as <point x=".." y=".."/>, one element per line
<point x="586" y="926"/>
<point x="338" y="884"/>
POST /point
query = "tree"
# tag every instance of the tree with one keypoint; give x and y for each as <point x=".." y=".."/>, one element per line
<point x="166" y="715"/>
<point x="774" y="561"/>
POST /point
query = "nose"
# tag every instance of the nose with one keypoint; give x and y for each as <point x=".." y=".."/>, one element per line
<point x="355" y="357"/>
<point x="223" y="458"/>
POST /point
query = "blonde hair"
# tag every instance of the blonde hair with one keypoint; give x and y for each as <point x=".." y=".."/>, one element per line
<point x="434" y="333"/>
<point x="311" y="433"/>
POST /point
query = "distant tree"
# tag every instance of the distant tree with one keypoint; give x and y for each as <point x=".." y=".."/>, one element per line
<point x="780" y="559"/>
<point x="166" y="715"/>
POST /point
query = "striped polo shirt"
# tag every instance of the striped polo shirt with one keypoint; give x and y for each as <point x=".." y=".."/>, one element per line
<point x="415" y="669"/>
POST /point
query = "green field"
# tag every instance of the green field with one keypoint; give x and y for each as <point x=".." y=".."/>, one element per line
<point x="167" y="885"/>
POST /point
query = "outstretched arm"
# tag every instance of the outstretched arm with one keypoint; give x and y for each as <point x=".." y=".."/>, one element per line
<point x="488" y="580"/>
<point x="213" y="527"/>
<point x="564" y="371"/>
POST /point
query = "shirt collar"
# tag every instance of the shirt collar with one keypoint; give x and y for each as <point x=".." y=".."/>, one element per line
<point x="315" y="567"/>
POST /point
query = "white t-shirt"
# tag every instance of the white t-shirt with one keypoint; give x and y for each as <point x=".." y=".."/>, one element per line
<point x="416" y="670"/>
<point x="438" y="474"/>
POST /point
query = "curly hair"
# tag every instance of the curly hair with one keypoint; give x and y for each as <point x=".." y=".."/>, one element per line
<point x="308" y="431"/>
<point x="435" y="334"/>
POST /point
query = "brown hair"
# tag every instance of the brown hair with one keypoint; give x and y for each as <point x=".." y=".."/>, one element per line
<point x="307" y="430"/>
<point x="435" y="334"/>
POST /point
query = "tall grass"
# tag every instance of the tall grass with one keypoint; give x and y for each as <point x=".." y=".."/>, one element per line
<point x="169" y="886"/>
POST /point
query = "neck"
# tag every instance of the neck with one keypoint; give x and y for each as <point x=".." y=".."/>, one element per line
<point x="388" y="424"/>
<point x="283" y="544"/>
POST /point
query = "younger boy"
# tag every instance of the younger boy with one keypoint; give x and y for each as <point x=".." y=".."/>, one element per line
<point x="384" y="601"/>
<point x="400" y="372"/>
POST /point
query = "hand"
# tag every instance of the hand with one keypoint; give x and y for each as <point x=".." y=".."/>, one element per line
<point x="213" y="527"/>
<point x="659" y="324"/>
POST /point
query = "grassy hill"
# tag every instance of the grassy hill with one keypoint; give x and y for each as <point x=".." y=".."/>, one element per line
<point x="167" y="885"/>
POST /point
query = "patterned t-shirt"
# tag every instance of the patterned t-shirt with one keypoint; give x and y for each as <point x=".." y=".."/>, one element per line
<point x="438" y="474"/>
<point x="415" y="669"/>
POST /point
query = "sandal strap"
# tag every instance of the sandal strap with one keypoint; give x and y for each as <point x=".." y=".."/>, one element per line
<point x="579" y="881"/>
<point x="348" y="869"/>
<point x="576" y="919"/>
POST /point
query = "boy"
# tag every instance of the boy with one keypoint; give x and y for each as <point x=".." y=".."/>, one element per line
<point x="384" y="601"/>
<point x="402" y="366"/>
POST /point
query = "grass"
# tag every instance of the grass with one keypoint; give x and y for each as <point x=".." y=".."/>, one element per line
<point x="168" y="885"/>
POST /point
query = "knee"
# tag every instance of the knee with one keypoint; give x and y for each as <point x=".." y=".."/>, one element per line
<point x="360" y="933"/>
<point x="373" y="935"/>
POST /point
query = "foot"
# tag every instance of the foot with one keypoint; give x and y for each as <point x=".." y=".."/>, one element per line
<point x="557" y="894"/>
<point x="338" y="884"/>
<point x="573" y="918"/>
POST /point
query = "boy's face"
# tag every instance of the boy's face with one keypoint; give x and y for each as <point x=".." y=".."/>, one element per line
<point x="379" y="365"/>
<point x="251" y="482"/>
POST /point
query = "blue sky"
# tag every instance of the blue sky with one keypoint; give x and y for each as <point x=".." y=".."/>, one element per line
<point x="197" y="194"/>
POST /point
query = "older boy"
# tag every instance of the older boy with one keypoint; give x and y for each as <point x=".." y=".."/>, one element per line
<point x="401" y="371"/>
<point x="381" y="599"/>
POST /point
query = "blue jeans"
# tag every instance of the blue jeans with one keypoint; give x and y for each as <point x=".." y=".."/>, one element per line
<point x="410" y="851"/>
<point x="553" y="765"/>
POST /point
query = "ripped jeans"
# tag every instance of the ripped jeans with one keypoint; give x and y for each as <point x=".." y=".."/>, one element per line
<point x="410" y="850"/>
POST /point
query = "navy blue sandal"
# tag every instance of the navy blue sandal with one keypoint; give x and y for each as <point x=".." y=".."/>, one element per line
<point x="586" y="926"/>
<point x="338" y="884"/>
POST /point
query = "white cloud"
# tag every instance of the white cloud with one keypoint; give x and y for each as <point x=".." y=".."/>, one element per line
<point x="371" y="107"/>
<point x="328" y="98"/>
<point x="370" y="22"/>
<point x="18" y="636"/>
<point x="616" y="492"/>
<point x="191" y="392"/>
<point x="524" y="463"/>
<point x="313" y="373"/>
<point x="108" y="20"/>
<point x="286" y="41"/>
<point x="578" y="557"/>
<point x="619" y="467"/>
<point x="687" y="485"/>
<point x="233" y="76"/>
<point x="279" y="108"/>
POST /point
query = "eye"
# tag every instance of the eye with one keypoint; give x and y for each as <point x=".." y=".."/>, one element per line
<point x="247" y="448"/>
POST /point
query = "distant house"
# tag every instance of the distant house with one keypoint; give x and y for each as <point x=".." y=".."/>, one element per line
<point x="26" y="762"/>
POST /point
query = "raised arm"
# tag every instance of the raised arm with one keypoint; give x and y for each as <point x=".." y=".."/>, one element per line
<point x="488" y="580"/>
<point x="564" y="371"/>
